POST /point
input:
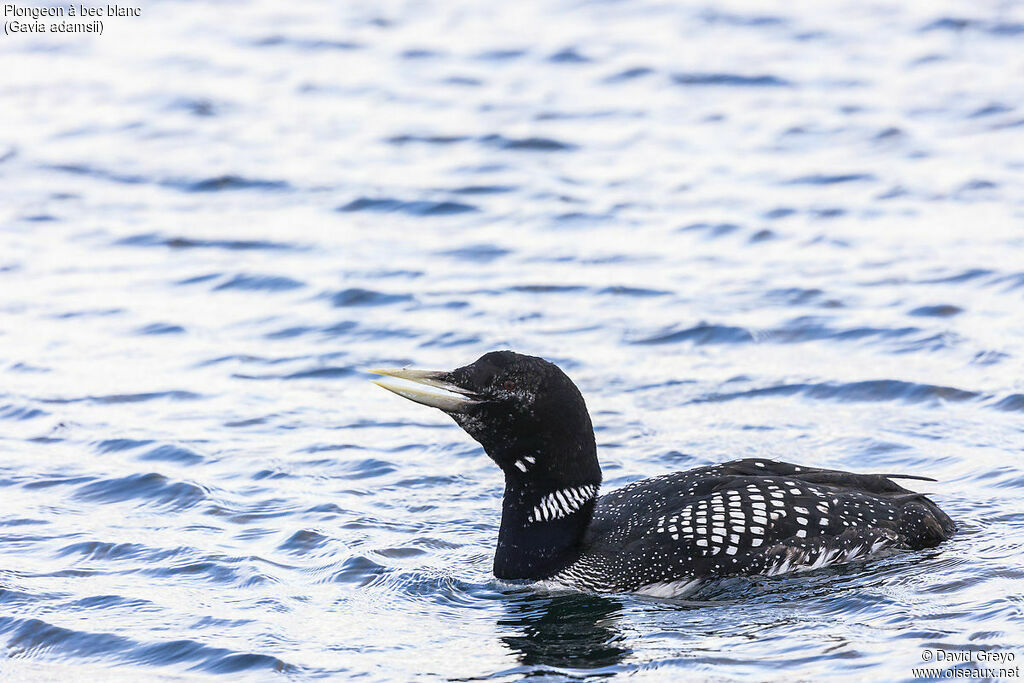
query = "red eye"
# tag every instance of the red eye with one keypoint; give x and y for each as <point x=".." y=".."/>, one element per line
<point x="509" y="385"/>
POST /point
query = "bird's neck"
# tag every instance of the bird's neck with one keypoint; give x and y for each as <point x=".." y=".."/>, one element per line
<point x="544" y="518"/>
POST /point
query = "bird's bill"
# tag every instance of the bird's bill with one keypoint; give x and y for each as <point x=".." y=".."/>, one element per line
<point x="427" y="387"/>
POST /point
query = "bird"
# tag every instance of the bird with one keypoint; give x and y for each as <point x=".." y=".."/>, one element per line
<point x="666" y="535"/>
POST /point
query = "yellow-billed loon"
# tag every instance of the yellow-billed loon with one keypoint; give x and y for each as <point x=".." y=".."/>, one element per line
<point x="664" y="535"/>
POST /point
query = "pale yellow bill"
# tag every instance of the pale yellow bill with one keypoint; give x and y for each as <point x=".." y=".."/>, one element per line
<point x="424" y="387"/>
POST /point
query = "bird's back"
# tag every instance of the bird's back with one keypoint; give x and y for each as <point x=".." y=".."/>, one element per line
<point x="750" y="516"/>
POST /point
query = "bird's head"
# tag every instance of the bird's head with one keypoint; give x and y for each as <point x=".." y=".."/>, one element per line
<point x="526" y="413"/>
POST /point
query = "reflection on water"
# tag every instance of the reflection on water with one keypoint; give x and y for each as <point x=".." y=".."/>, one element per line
<point x="565" y="631"/>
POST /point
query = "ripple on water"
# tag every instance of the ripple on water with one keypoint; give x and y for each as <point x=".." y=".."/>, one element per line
<point x="303" y="542"/>
<point x="255" y="283"/>
<point x="35" y="638"/>
<point x="305" y="43"/>
<point x="156" y="239"/>
<point x="730" y="80"/>
<point x="936" y="311"/>
<point x="817" y="328"/>
<point x="957" y="24"/>
<point x="233" y="182"/>
<point x="12" y="411"/>
<point x="172" y="453"/>
<point x="639" y="292"/>
<point x="213" y="184"/>
<point x="357" y="296"/>
<point x="531" y="144"/>
<point x="406" y="139"/>
<point x="871" y="390"/>
<point x="215" y="571"/>
<point x="711" y="230"/>
<point x="703" y="333"/>
<point x="831" y="178"/>
<point x="483" y="189"/>
<point x="451" y="340"/>
<point x="364" y="469"/>
<point x="318" y="372"/>
<point x="103" y="551"/>
<point x="44" y="483"/>
<point x="477" y="253"/>
<point x="160" y="328"/>
<point x="358" y="570"/>
<point x="142" y="397"/>
<point x="629" y="74"/>
<point x="1013" y="402"/>
<point x="148" y="489"/>
<point x="117" y="445"/>
<point x="413" y="208"/>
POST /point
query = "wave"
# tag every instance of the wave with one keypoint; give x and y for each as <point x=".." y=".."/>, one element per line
<point x="869" y="390"/>
<point x="421" y="208"/>
<point x="147" y="489"/>
<point x="35" y="638"/>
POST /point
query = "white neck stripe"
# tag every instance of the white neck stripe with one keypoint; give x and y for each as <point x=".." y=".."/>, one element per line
<point x="562" y="503"/>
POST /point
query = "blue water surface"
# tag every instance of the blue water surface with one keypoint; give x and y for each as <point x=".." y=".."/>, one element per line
<point x="781" y="230"/>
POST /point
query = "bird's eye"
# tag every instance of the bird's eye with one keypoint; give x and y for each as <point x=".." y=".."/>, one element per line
<point x="509" y="385"/>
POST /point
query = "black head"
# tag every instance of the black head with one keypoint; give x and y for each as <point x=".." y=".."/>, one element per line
<point x="526" y="413"/>
<point x="532" y="421"/>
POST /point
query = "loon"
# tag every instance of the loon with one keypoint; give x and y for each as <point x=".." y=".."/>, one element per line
<point x="662" y="536"/>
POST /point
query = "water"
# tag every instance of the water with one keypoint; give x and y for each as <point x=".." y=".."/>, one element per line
<point x="744" y="230"/>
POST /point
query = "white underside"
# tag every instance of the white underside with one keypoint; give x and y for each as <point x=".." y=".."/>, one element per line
<point x="684" y="586"/>
<point x="670" y="589"/>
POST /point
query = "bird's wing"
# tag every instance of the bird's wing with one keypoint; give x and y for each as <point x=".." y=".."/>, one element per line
<point x="734" y="519"/>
